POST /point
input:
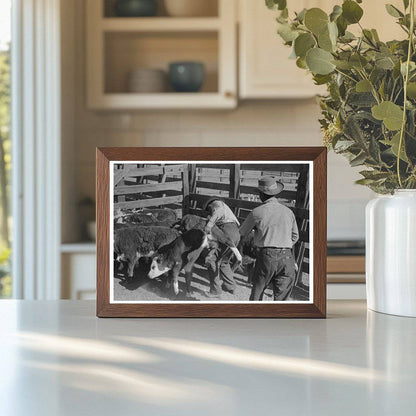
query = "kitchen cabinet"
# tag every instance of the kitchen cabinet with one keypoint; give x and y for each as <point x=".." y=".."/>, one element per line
<point x="265" y="70"/>
<point x="116" y="46"/>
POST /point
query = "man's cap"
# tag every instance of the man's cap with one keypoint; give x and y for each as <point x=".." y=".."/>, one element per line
<point x="209" y="201"/>
<point x="269" y="185"/>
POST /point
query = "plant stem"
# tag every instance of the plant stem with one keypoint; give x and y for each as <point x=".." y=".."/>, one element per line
<point x="345" y="75"/>
<point x="406" y="80"/>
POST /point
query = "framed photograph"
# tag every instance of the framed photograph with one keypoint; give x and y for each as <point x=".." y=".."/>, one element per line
<point x="211" y="232"/>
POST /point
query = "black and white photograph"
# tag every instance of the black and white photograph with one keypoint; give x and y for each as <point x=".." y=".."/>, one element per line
<point x="211" y="232"/>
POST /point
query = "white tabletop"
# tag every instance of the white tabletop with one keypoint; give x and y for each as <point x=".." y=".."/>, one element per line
<point x="57" y="358"/>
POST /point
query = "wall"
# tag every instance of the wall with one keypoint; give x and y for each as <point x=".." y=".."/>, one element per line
<point x="265" y="123"/>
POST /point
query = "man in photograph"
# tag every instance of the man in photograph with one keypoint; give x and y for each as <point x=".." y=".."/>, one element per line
<point x="275" y="233"/>
<point x="220" y="273"/>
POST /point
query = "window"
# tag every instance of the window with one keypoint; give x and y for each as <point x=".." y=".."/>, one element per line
<point x="5" y="144"/>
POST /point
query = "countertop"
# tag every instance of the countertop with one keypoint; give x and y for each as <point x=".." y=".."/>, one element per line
<point x="57" y="358"/>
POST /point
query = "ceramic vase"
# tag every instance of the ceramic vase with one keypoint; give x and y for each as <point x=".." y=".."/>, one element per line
<point x="391" y="253"/>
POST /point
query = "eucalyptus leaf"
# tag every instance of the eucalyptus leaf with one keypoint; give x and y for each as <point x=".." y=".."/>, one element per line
<point x="276" y="4"/>
<point x="300" y="17"/>
<point x="321" y="79"/>
<point x="343" y="145"/>
<point x="358" y="61"/>
<point x="336" y="12"/>
<point x="363" y="86"/>
<point x="411" y="90"/>
<point x="301" y="63"/>
<point x="375" y="35"/>
<point x="316" y="20"/>
<point x="375" y="175"/>
<point x="342" y="25"/>
<point x="325" y="42"/>
<point x="286" y="32"/>
<point x="358" y="160"/>
<point x="303" y="43"/>
<point x="412" y="67"/>
<point x="351" y="11"/>
<point x="394" y="144"/>
<point x="385" y="63"/>
<point x="393" y="11"/>
<point x="391" y="114"/>
<point x="364" y="181"/>
<point x="343" y="65"/>
<point x="347" y="37"/>
<point x="374" y="150"/>
<point x="319" y="61"/>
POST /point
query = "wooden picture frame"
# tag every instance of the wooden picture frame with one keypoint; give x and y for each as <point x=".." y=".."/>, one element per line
<point x="316" y="157"/>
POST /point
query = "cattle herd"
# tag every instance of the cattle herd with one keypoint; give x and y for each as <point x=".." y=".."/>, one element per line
<point x="170" y="244"/>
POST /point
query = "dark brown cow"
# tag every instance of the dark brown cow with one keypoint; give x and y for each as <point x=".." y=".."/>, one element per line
<point x="133" y="242"/>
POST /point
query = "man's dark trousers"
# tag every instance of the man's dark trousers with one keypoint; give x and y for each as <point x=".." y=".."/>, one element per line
<point x="276" y="266"/>
<point x="222" y="272"/>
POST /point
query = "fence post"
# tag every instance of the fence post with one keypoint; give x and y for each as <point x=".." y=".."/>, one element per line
<point x="234" y="192"/>
<point x="235" y="181"/>
<point x="302" y="186"/>
<point x="185" y="190"/>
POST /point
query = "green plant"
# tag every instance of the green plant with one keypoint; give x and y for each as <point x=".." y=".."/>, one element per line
<point x="369" y="113"/>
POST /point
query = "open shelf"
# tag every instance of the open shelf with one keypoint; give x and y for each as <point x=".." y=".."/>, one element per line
<point x="211" y="9"/>
<point x="116" y="46"/>
<point x="166" y="101"/>
<point x="160" y="24"/>
<point x="127" y="51"/>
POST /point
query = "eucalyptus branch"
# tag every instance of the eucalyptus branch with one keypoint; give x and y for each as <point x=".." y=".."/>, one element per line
<point x="405" y="81"/>
<point x="345" y="75"/>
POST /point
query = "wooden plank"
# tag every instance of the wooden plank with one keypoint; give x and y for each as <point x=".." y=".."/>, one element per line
<point x="151" y="202"/>
<point x="214" y="165"/>
<point x="118" y="176"/>
<point x="346" y="264"/>
<point x="213" y="185"/>
<point x="275" y="167"/>
<point x="153" y="187"/>
<point x="156" y="170"/>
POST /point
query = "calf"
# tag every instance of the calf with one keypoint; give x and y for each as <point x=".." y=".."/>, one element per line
<point x="190" y="221"/>
<point x="179" y="254"/>
<point x="132" y="243"/>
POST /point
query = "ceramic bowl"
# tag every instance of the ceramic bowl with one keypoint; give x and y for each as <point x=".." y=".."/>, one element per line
<point x="186" y="76"/>
<point x="136" y="8"/>
<point x="147" y="80"/>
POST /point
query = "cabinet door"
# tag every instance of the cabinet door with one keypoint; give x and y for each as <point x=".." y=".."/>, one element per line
<point x="265" y="68"/>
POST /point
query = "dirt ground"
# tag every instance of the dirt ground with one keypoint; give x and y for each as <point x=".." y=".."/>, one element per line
<point x="144" y="289"/>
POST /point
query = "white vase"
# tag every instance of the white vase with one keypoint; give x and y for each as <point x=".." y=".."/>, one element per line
<point x="391" y="253"/>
